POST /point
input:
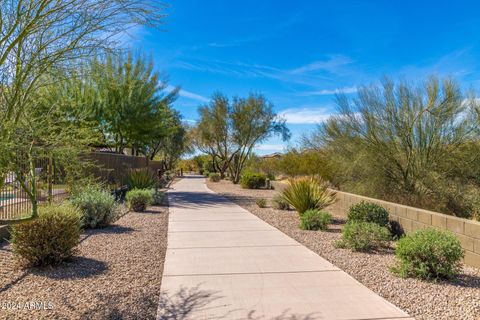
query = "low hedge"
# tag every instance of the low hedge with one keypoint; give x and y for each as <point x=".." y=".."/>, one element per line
<point x="49" y="239"/>
<point x="363" y="236"/>
<point x="315" y="219"/>
<point x="368" y="212"/>
<point x="428" y="254"/>
<point x="139" y="199"/>
<point x="253" y="180"/>
<point x="98" y="206"/>
<point x="214" y="177"/>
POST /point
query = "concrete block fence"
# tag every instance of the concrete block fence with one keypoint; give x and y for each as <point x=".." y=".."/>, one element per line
<point x="412" y="219"/>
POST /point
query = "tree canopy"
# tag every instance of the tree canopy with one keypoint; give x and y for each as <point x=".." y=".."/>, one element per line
<point x="229" y="130"/>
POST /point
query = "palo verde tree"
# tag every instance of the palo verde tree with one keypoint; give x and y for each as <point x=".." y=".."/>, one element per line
<point x="214" y="132"/>
<point x="41" y="37"/>
<point x="230" y="131"/>
<point x="407" y="143"/>
<point x="253" y="122"/>
<point x="54" y="128"/>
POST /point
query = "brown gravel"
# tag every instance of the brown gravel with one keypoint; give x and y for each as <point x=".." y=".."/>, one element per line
<point x="115" y="275"/>
<point x="452" y="300"/>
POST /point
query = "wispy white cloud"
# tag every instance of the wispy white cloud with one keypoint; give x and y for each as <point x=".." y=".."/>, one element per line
<point x="305" y="115"/>
<point x="330" y="65"/>
<point x="312" y="74"/>
<point x="188" y="94"/>
<point x="327" y="92"/>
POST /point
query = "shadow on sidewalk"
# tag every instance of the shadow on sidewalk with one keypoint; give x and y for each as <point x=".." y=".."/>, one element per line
<point x="189" y="302"/>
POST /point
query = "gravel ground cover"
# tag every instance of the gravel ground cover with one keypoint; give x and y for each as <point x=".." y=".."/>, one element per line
<point x="455" y="299"/>
<point x="116" y="274"/>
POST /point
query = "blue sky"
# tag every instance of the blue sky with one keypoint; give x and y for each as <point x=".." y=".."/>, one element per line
<point x="299" y="54"/>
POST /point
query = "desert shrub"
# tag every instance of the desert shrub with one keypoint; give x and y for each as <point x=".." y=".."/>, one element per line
<point x="98" y="206"/>
<point x="141" y="179"/>
<point x="261" y="203"/>
<point x="139" y="199"/>
<point x="279" y="203"/>
<point x="428" y="254"/>
<point x="307" y="193"/>
<point x="214" y="176"/>
<point x="368" y="212"/>
<point x="49" y="239"/>
<point x="158" y="198"/>
<point x="253" y="180"/>
<point x="363" y="236"/>
<point x="314" y="219"/>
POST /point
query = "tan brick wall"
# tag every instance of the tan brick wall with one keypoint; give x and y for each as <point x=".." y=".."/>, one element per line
<point x="412" y="219"/>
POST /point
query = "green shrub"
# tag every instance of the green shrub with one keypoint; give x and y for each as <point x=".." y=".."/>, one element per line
<point x="98" y="206"/>
<point x="314" y="219"/>
<point x="139" y="199"/>
<point x="261" y="203"/>
<point x="368" y="212"/>
<point x="214" y="177"/>
<point x="428" y="254"/>
<point x="141" y="179"/>
<point x="253" y="180"/>
<point x="363" y="236"/>
<point x="158" y="198"/>
<point x="307" y="193"/>
<point x="49" y="239"/>
<point x="279" y="203"/>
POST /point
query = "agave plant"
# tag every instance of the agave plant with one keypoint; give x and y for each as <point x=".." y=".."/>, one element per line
<point x="141" y="179"/>
<point x="307" y="193"/>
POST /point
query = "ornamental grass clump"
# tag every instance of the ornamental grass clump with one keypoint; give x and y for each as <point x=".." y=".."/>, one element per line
<point x="363" y="236"/>
<point x="261" y="203"/>
<point x="368" y="212"/>
<point x="49" y="239"/>
<point x="314" y="219"/>
<point x="141" y="179"/>
<point x="98" y="206"/>
<point x="428" y="254"/>
<point x="307" y="193"/>
<point x="139" y="199"/>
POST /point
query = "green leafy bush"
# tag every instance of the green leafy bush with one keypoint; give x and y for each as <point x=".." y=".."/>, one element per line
<point x="261" y="203"/>
<point x="368" y="212"/>
<point x="279" y="203"/>
<point x="49" y="239"/>
<point x="214" y="176"/>
<point x="363" y="236"/>
<point x="98" y="206"/>
<point x="428" y="254"/>
<point x="158" y="198"/>
<point x="307" y="193"/>
<point x="141" y="179"/>
<point x="139" y="199"/>
<point x="314" y="219"/>
<point x="253" y="180"/>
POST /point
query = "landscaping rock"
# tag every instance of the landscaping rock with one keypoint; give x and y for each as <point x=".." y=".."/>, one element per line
<point x="454" y="299"/>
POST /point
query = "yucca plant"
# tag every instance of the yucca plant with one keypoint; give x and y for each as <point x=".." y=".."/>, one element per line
<point x="307" y="193"/>
<point x="141" y="179"/>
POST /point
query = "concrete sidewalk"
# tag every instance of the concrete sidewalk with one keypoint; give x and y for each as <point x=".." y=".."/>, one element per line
<point x="223" y="262"/>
